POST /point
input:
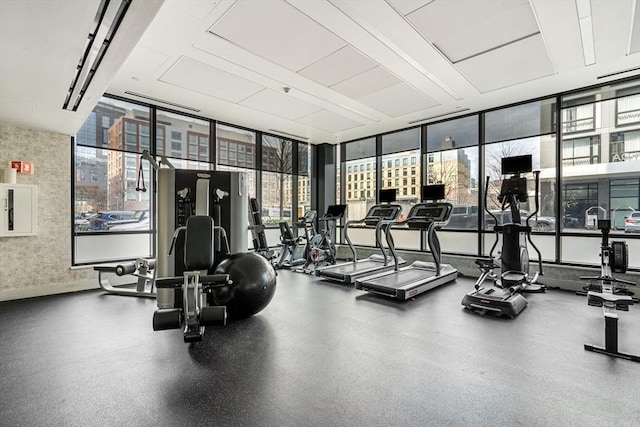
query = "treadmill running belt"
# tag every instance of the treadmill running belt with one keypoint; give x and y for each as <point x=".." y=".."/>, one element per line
<point x="400" y="278"/>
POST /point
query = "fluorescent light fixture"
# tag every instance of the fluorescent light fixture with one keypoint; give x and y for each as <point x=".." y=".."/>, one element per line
<point x="161" y="101"/>
<point x="586" y="31"/>
<point x="438" y="116"/>
<point x="287" y="133"/>
<point x="107" y="21"/>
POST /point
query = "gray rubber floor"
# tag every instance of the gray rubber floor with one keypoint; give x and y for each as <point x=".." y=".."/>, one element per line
<point x="320" y="354"/>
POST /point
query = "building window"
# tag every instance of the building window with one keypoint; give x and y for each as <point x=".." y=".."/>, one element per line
<point x="628" y="110"/>
<point x="625" y="146"/>
<point x="578" y="119"/>
<point x="581" y="151"/>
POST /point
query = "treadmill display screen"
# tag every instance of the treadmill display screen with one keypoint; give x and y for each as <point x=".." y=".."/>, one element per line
<point x="378" y="213"/>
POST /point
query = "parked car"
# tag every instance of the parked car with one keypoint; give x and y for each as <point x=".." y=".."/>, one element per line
<point x="102" y="219"/>
<point x="80" y="222"/>
<point x="465" y="216"/>
<point x="632" y="222"/>
<point x="538" y="223"/>
<point x="136" y="222"/>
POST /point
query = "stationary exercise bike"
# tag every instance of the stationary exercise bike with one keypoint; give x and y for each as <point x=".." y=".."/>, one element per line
<point x="294" y="250"/>
<point x="505" y="296"/>
<point x="610" y="293"/>
<point x="322" y="249"/>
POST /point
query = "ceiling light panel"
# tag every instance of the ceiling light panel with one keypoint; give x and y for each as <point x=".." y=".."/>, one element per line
<point x="365" y="83"/>
<point x="278" y="32"/>
<point x="515" y="63"/>
<point x="398" y="100"/>
<point x="279" y="104"/>
<point x="199" y="77"/>
<point x="338" y="66"/>
<point x="329" y="121"/>
<point x="461" y="30"/>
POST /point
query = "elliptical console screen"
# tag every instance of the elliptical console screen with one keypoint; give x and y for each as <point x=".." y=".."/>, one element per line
<point x="335" y="211"/>
<point x="516" y="164"/>
<point x="433" y="192"/>
<point x="387" y="196"/>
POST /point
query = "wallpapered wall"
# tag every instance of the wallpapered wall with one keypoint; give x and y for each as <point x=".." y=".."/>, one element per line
<point x="40" y="265"/>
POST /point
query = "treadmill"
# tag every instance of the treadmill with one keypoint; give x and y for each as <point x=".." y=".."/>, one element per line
<point x="420" y="276"/>
<point x="378" y="216"/>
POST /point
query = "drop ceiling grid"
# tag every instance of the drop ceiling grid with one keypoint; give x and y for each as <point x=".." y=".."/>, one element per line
<point x="278" y="32"/>
<point x="515" y="63"/>
<point x="199" y="77"/>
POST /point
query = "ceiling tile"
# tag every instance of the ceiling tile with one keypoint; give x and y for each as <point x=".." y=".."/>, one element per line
<point x="196" y="8"/>
<point x="407" y="6"/>
<point x="329" y="121"/>
<point x="279" y="104"/>
<point x="634" y="46"/>
<point x="442" y="19"/>
<point x="338" y="66"/>
<point x="365" y="83"/>
<point x="398" y="100"/>
<point x="497" y="30"/>
<point x="278" y="32"/>
<point x="611" y="28"/>
<point x="515" y="63"/>
<point x="202" y="78"/>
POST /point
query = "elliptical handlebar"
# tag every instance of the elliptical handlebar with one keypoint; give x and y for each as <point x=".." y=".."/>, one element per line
<point x="486" y="208"/>
<point x="536" y="176"/>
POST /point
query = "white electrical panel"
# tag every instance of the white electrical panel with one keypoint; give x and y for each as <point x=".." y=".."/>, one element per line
<point x="18" y="216"/>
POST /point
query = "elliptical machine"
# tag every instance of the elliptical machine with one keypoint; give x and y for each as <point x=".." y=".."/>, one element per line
<point x="610" y="293"/>
<point x="505" y="296"/>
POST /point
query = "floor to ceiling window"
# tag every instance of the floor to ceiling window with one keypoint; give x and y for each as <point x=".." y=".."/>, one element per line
<point x="277" y="179"/>
<point x="107" y="178"/>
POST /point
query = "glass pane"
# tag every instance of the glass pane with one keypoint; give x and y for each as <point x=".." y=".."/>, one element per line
<point x="600" y="161"/>
<point x="277" y="154"/>
<point x="304" y="195"/>
<point x="531" y="119"/>
<point x="303" y="159"/>
<point x="251" y="177"/>
<point x="182" y="137"/>
<point x="456" y="133"/>
<point x="402" y="172"/>
<point x="542" y="150"/>
<point x="360" y="191"/>
<point x="105" y="196"/>
<point x="233" y="141"/>
<point x="276" y="197"/>
<point x="116" y="124"/>
<point x="401" y="141"/>
<point x="360" y="149"/>
<point x="458" y="171"/>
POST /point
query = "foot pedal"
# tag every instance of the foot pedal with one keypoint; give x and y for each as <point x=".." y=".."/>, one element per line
<point x="213" y="316"/>
<point x="193" y="334"/>
<point x="164" y="319"/>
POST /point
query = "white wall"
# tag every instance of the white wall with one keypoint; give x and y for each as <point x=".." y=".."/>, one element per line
<point x="40" y="265"/>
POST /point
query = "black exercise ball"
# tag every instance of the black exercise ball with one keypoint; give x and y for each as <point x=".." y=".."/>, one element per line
<point x="253" y="285"/>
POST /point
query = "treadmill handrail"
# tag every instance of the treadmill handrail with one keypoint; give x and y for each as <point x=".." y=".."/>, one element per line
<point x="378" y="231"/>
